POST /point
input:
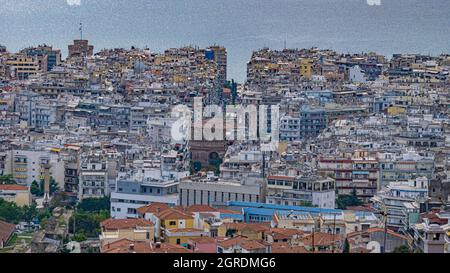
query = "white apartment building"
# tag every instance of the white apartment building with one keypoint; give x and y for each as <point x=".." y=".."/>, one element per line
<point x="26" y="166"/>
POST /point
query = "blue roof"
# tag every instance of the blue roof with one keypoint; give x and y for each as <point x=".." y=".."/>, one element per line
<point x="232" y="215"/>
<point x="258" y="211"/>
<point x="282" y="207"/>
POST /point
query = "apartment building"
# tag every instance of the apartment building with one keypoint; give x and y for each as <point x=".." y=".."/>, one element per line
<point x="216" y="191"/>
<point x="300" y="191"/>
<point x="399" y="199"/>
<point x="20" y="195"/>
<point x="27" y="166"/>
<point x="23" y="66"/>
<point x="358" y="172"/>
<point x="93" y="178"/>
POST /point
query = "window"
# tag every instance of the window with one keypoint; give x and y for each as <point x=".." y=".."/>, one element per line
<point x="178" y="241"/>
<point x="172" y="223"/>
<point x="436" y="237"/>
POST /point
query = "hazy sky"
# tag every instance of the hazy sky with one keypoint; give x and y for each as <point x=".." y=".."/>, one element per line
<point x="421" y="26"/>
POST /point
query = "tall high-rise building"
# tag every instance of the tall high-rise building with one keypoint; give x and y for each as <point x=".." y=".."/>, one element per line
<point x="81" y="48"/>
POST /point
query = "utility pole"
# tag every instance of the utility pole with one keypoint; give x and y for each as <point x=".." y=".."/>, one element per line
<point x="334" y="233"/>
<point x="384" y="213"/>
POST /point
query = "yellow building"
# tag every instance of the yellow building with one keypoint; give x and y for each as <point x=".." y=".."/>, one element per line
<point x="23" y="66"/>
<point x="306" y="68"/>
<point x="182" y="236"/>
<point x="396" y="110"/>
<point x="15" y="193"/>
<point x="131" y="229"/>
<point x="177" y="227"/>
<point x="174" y="219"/>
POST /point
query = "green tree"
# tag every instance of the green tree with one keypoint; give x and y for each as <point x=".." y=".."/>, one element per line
<point x="30" y="213"/>
<point x="87" y="223"/>
<point x="402" y="249"/>
<point x="79" y="237"/>
<point x="344" y="200"/>
<point x="37" y="188"/>
<point x="196" y="167"/>
<point x="94" y="204"/>
<point x="346" y="246"/>
<point x="10" y="212"/>
<point x="7" y="180"/>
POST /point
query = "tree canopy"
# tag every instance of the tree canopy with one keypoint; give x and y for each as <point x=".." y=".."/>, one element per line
<point x="7" y="180"/>
<point x="344" y="200"/>
<point x="37" y="188"/>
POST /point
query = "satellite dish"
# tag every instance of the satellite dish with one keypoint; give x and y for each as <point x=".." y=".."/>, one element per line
<point x="374" y="247"/>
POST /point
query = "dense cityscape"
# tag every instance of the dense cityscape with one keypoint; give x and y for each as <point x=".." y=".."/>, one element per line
<point x="89" y="164"/>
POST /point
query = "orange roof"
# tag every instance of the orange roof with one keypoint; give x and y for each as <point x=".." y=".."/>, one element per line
<point x="13" y="188"/>
<point x="258" y="227"/>
<point x="200" y="208"/>
<point x="171" y="214"/>
<point x="286" y="248"/>
<point x="252" y="244"/>
<point x="370" y="230"/>
<point x="320" y="239"/>
<point x="228" y="211"/>
<point x="285" y="233"/>
<point x="253" y="226"/>
<point x="6" y="230"/>
<point x="179" y="230"/>
<point x="152" y="208"/>
<point x="128" y="246"/>
<point x="244" y="242"/>
<point x="115" y="224"/>
<point x="280" y="177"/>
<point x="231" y="241"/>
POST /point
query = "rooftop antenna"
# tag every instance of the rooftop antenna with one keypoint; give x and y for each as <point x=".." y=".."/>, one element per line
<point x="81" y="30"/>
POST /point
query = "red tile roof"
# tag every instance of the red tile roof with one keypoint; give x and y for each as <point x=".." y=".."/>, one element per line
<point x="243" y="242"/>
<point x="200" y="208"/>
<point x="227" y="211"/>
<point x="321" y="239"/>
<point x="179" y="230"/>
<point x="172" y="214"/>
<point x="286" y="248"/>
<point x="13" y="188"/>
<point x="153" y="208"/>
<point x="128" y="246"/>
<point x="285" y="233"/>
<point x="6" y="231"/>
<point x="116" y="224"/>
